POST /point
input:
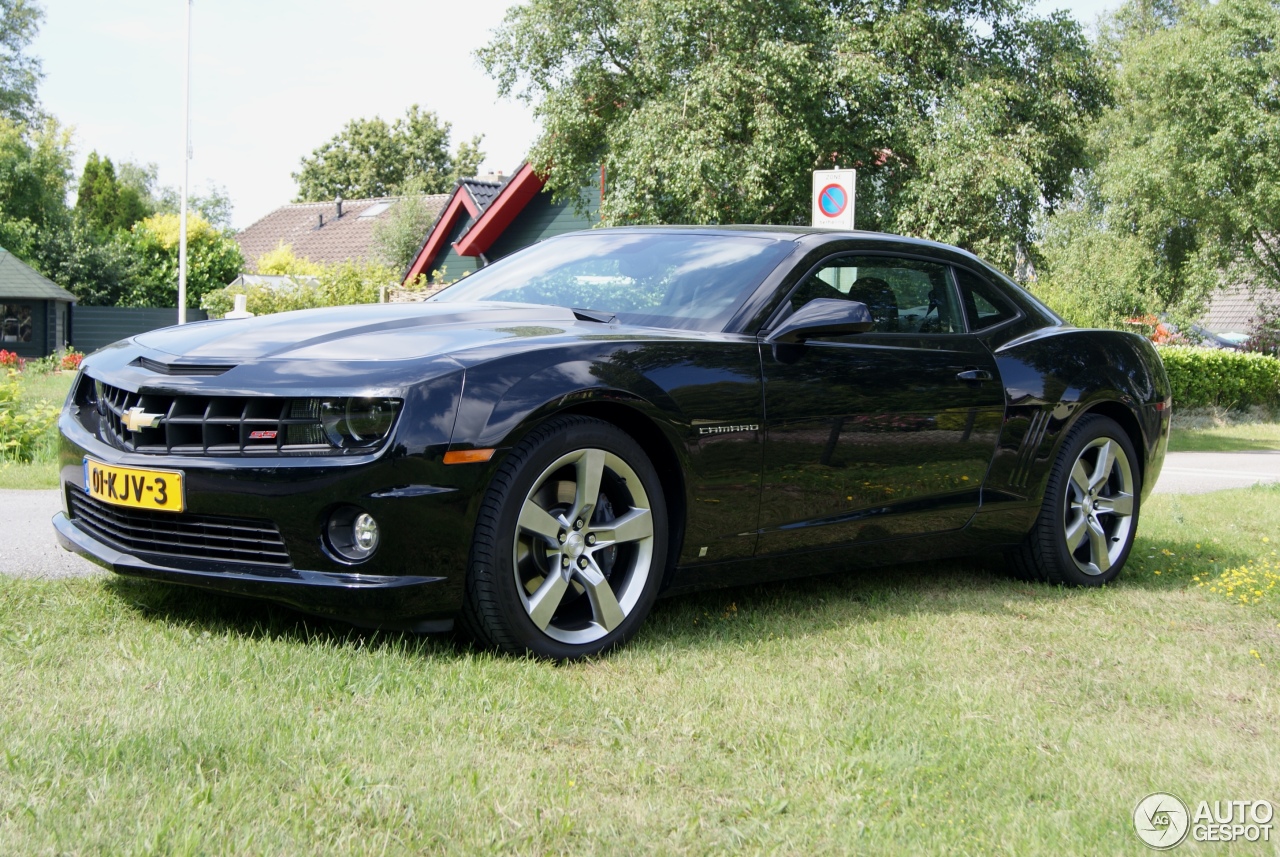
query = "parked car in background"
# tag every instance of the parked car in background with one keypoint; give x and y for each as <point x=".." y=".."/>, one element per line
<point x="545" y="448"/>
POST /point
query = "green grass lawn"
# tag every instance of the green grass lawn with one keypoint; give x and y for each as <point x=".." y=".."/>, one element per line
<point x="916" y="710"/>
<point x="1216" y="430"/>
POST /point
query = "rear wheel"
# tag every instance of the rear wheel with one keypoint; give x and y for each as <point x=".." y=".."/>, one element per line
<point x="1090" y="513"/>
<point x="570" y="543"/>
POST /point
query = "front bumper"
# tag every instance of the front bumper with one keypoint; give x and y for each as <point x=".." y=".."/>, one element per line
<point x="363" y="599"/>
<point x="414" y="581"/>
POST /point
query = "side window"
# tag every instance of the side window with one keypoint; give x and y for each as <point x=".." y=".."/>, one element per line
<point x="904" y="295"/>
<point x="983" y="305"/>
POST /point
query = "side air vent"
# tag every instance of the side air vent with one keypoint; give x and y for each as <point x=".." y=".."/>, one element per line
<point x="1031" y="441"/>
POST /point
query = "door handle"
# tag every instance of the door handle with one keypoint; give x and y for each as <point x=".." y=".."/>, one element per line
<point x="973" y="375"/>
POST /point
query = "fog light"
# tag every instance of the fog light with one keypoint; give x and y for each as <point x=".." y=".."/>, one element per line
<point x="366" y="530"/>
<point x="352" y="534"/>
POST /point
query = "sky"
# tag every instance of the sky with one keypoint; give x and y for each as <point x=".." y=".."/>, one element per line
<point x="271" y="80"/>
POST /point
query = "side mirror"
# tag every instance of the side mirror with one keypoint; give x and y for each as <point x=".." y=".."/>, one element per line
<point x="823" y="317"/>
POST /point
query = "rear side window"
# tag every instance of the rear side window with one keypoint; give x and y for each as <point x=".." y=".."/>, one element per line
<point x="984" y="306"/>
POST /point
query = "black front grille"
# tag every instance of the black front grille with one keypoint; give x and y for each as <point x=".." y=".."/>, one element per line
<point x="204" y="537"/>
<point x="206" y="425"/>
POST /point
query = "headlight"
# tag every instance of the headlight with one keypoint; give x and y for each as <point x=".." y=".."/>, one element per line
<point x="353" y="423"/>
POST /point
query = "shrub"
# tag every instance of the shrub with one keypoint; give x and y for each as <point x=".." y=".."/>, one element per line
<point x="1207" y="377"/>
<point x="41" y="365"/>
<point x="9" y="360"/>
<point x="23" y="428"/>
<point x="336" y="285"/>
<point x="213" y="258"/>
<point x="71" y="359"/>
<point x="1264" y="338"/>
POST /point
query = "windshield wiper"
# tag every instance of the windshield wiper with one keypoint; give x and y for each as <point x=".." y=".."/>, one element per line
<point x="594" y="315"/>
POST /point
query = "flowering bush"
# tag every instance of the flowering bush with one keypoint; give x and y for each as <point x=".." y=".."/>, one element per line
<point x="9" y="360"/>
<point x="71" y="359"/>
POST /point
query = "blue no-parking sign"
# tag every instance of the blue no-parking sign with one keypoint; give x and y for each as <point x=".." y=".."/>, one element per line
<point x="833" y="198"/>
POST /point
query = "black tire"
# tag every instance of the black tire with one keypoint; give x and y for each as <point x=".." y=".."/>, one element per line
<point x="1086" y="526"/>
<point x="521" y="596"/>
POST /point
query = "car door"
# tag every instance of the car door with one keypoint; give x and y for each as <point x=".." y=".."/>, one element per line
<point x="883" y="434"/>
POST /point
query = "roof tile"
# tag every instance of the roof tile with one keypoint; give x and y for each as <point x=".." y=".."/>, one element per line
<point x="314" y="231"/>
<point x="20" y="280"/>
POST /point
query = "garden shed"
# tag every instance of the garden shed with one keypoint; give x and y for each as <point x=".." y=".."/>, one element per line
<point x="35" y="312"/>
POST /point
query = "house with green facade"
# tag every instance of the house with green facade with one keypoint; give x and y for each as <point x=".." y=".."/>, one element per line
<point x="35" y="312"/>
<point x="482" y="221"/>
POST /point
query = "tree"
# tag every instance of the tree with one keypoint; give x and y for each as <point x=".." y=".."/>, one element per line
<point x="214" y="206"/>
<point x="97" y="268"/>
<point x="213" y="260"/>
<point x="1193" y="146"/>
<point x="397" y="237"/>
<point x="371" y="158"/>
<point x="1186" y="190"/>
<point x="962" y="118"/>
<point x="35" y="170"/>
<point x="19" y="74"/>
<point x="106" y="203"/>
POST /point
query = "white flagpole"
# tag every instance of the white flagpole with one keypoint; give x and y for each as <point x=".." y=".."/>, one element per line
<point x="186" y="176"/>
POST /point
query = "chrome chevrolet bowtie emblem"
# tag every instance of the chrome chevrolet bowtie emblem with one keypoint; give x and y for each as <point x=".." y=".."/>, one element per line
<point x="136" y="419"/>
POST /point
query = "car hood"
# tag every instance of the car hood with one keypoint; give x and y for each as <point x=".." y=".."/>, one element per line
<point x="374" y="332"/>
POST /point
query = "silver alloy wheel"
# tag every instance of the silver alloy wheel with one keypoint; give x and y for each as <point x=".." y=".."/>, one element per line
<point x="1099" y="507"/>
<point x="584" y="546"/>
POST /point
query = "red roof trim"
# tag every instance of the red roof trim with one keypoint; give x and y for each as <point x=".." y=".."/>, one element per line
<point x="469" y="202"/>
<point x="440" y="232"/>
<point x="518" y="192"/>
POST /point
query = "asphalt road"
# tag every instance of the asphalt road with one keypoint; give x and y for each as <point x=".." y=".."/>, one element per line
<point x="29" y="548"/>
<point x="1198" y="472"/>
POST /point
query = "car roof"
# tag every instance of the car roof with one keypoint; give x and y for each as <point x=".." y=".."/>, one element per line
<point x="793" y="233"/>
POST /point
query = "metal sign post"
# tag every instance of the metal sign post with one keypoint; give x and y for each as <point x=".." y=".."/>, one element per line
<point x="833" y="198"/>
<point x="186" y="176"/>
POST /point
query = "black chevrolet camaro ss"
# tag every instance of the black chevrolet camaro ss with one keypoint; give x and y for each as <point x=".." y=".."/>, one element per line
<point x="544" y="448"/>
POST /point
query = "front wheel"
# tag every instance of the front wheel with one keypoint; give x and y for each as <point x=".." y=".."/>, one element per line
<point x="1089" y="517"/>
<point x="570" y="543"/>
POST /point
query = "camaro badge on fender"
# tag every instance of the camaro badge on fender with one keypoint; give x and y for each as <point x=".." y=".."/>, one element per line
<point x="726" y="429"/>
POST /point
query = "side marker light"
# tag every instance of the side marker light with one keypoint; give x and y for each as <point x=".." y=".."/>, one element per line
<point x="468" y="456"/>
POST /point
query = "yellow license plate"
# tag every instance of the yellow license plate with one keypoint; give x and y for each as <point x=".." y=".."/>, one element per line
<point x="133" y="486"/>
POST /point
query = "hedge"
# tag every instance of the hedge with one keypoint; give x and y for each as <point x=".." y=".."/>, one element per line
<point x="1208" y="377"/>
<point x="343" y="284"/>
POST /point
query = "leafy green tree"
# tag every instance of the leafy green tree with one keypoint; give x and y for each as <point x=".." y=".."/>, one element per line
<point x="19" y="73"/>
<point x="97" y="268"/>
<point x="35" y="170"/>
<point x="105" y="202"/>
<point x="214" y="205"/>
<point x="1192" y="163"/>
<point x="1186" y="190"/>
<point x="371" y="157"/>
<point x="398" y="236"/>
<point x="1094" y="276"/>
<point x="213" y="260"/>
<point x="963" y="118"/>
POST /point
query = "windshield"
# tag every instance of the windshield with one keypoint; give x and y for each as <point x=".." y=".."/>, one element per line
<point x="657" y="279"/>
